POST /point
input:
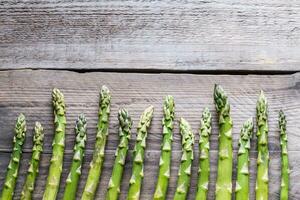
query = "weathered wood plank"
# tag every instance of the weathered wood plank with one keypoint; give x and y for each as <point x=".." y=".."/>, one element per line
<point x="168" y="35"/>
<point x="29" y="91"/>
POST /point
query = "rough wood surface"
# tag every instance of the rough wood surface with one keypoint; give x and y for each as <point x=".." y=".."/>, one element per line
<point x="164" y="35"/>
<point x="29" y="91"/>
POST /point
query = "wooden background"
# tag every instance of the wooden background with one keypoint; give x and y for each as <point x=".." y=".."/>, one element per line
<point x="144" y="50"/>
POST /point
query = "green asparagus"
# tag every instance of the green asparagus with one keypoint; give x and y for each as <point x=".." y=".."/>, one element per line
<point x="138" y="155"/>
<point x="125" y="123"/>
<point x="284" y="193"/>
<point x="58" y="146"/>
<point x="75" y="171"/>
<point x="204" y="165"/>
<point x="13" y="166"/>
<point x="224" y="184"/>
<point x="166" y="147"/>
<point x="242" y="183"/>
<point x="262" y="148"/>
<point x="33" y="170"/>
<point x="98" y="155"/>
<point x="184" y="174"/>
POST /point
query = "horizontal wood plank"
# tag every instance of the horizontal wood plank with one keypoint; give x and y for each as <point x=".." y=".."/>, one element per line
<point x="29" y="91"/>
<point x="154" y="35"/>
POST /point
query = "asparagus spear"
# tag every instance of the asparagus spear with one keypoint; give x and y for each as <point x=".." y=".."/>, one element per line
<point x="75" y="171"/>
<point x="166" y="147"/>
<point x="204" y="165"/>
<point x="58" y="146"/>
<point x="242" y="183"/>
<point x="13" y="166"/>
<point x="98" y="155"/>
<point x="223" y="184"/>
<point x="184" y="174"/>
<point x="284" y="193"/>
<point x="33" y="170"/>
<point x="262" y="148"/>
<point x="125" y="123"/>
<point x="138" y="155"/>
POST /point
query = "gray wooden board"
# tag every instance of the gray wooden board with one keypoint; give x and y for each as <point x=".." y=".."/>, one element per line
<point x="164" y="35"/>
<point x="29" y="91"/>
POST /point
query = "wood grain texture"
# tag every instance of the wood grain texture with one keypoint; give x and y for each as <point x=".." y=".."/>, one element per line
<point x="29" y="91"/>
<point x="155" y="35"/>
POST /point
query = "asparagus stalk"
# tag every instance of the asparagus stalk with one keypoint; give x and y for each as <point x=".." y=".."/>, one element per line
<point x="184" y="174"/>
<point x="262" y="148"/>
<point x="58" y="146"/>
<point x="33" y="170"/>
<point x="204" y="165"/>
<point x="223" y="184"/>
<point x="138" y="155"/>
<point x="284" y="193"/>
<point x="166" y="147"/>
<point x="75" y="171"/>
<point x="13" y="166"/>
<point x="242" y="183"/>
<point x="98" y="155"/>
<point x="125" y="123"/>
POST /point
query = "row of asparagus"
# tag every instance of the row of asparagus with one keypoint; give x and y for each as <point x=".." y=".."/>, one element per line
<point x="225" y="158"/>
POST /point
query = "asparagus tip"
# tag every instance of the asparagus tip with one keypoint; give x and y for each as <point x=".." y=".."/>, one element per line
<point x="186" y="128"/>
<point x="149" y="110"/>
<point x="20" y="127"/>
<point x="38" y="136"/>
<point x="38" y="128"/>
<point x="57" y="94"/>
<point x="124" y="118"/>
<point x="183" y="121"/>
<point x="104" y="90"/>
<point x="262" y="103"/>
<point x="206" y="113"/>
<point x="81" y="123"/>
<point x="262" y="98"/>
<point x="104" y="96"/>
<point x="220" y="97"/>
<point x="169" y="98"/>
<point x="82" y="118"/>
<point x="282" y="119"/>
<point x="247" y="128"/>
<point x="21" y="118"/>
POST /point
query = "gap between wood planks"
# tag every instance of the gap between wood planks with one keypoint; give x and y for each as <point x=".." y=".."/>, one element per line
<point x="175" y="71"/>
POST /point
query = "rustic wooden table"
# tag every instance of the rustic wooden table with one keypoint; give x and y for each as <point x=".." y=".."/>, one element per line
<point x="144" y="50"/>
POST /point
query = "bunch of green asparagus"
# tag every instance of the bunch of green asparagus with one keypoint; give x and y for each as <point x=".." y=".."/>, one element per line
<point x="225" y="154"/>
